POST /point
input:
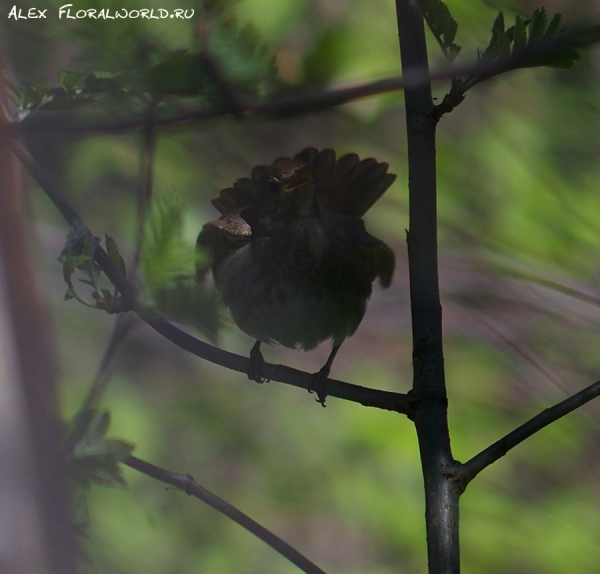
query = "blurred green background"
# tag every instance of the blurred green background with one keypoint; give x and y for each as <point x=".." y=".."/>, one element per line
<point x="520" y="214"/>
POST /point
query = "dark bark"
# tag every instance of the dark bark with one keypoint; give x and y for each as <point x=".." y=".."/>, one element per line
<point x="428" y="395"/>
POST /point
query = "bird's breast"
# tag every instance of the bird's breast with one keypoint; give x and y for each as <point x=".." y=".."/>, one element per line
<point x="296" y="289"/>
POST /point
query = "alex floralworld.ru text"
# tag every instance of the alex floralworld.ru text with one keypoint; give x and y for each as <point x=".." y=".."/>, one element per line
<point x="103" y="14"/>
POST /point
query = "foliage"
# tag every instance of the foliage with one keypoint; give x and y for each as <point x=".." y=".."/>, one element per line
<point x="78" y="255"/>
<point x="442" y="25"/>
<point x="168" y="265"/>
<point x="92" y="458"/>
<point x="231" y="59"/>
<point x="518" y="182"/>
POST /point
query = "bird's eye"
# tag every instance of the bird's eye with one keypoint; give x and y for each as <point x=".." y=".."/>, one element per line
<point x="274" y="187"/>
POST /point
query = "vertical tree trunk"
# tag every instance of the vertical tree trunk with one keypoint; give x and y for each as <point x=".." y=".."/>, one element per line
<point x="429" y="388"/>
<point x="37" y="533"/>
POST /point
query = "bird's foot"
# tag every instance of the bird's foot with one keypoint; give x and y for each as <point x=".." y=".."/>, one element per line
<point x="318" y="384"/>
<point x="255" y="364"/>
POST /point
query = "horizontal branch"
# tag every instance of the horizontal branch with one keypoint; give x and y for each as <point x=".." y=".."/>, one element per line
<point x="397" y="402"/>
<point x="305" y="101"/>
<point x="469" y="470"/>
<point x="187" y="483"/>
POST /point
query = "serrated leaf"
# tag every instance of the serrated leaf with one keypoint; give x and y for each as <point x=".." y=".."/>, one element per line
<point x="553" y="27"/>
<point x="97" y="426"/>
<point x="442" y="25"/>
<point x="499" y="46"/>
<point x="71" y="80"/>
<point x="520" y="35"/>
<point x="74" y="262"/>
<point x="165" y="255"/>
<point x="92" y="458"/>
<point x="450" y="32"/>
<point x="498" y="29"/>
<point x="115" y="448"/>
<point x="239" y="55"/>
<point x="563" y="57"/>
<point x="34" y="95"/>
<point x="113" y="252"/>
<point x="538" y="24"/>
<point x="109" y="474"/>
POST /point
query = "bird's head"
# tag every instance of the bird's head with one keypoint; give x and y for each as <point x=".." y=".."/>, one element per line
<point x="287" y="195"/>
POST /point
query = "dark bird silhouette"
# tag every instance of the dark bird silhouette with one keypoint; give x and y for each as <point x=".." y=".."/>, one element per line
<point x="290" y="253"/>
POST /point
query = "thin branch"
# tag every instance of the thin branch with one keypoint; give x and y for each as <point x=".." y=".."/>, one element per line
<point x="469" y="470"/>
<point x="123" y="325"/>
<point x="144" y="194"/>
<point x="313" y="100"/>
<point x="397" y="402"/>
<point x="125" y="321"/>
<point x="187" y="483"/>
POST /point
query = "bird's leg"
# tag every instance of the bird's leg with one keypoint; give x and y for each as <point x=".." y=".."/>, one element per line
<point x="255" y="364"/>
<point x="319" y="380"/>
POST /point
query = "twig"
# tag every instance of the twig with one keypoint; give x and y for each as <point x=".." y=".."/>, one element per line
<point x="397" y="402"/>
<point x="123" y="325"/>
<point x="125" y="321"/>
<point x="469" y="470"/>
<point x="144" y="194"/>
<point x="187" y="483"/>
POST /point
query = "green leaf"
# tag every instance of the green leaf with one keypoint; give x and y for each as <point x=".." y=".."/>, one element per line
<point x="71" y="80"/>
<point x="534" y="43"/>
<point x="165" y="255"/>
<point x="70" y="264"/>
<point x="553" y="27"/>
<point x="92" y="457"/>
<point x="442" y="25"/>
<point x="520" y="35"/>
<point x="499" y="46"/>
<point x="450" y="32"/>
<point x="238" y="54"/>
<point x="538" y="24"/>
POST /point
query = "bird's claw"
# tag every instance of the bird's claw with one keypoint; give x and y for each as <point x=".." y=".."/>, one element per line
<point x="255" y="364"/>
<point x="318" y="384"/>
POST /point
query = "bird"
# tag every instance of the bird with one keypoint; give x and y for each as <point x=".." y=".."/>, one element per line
<point x="290" y="254"/>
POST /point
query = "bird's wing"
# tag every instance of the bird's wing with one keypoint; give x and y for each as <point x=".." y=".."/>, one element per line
<point x="381" y="261"/>
<point x="221" y="238"/>
<point x="377" y="256"/>
<point x="348" y="185"/>
<point x="244" y="193"/>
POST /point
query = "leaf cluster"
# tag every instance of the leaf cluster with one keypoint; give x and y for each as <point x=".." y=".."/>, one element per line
<point x="92" y="458"/>
<point x="530" y="43"/>
<point x="78" y="255"/>
<point x="168" y="267"/>
<point x="442" y="25"/>
<point x="232" y="60"/>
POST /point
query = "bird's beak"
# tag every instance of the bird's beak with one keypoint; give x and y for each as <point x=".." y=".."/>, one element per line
<point x="301" y="178"/>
